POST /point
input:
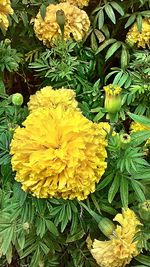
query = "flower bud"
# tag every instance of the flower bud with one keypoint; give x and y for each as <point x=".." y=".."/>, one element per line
<point x="26" y="226"/>
<point x="113" y="100"/>
<point x="106" y="226"/>
<point x="125" y="139"/>
<point x="144" y="210"/>
<point x="17" y="99"/>
<point x="7" y="41"/>
<point x="60" y="18"/>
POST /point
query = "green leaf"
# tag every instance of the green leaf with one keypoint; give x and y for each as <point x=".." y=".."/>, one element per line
<point x="124" y="57"/>
<point x="143" y="259"/>
<point x="113" y="189"/>
<point x="7" y="239"/>
<point x="112" y="49"/>
<point x="105" y="44"/>
<point x="105" y="182"/>
<point x="52" y="228"/>
<point x="43" y="11"/>
<point x="116" y="6"/>
<point x="124" y="192"/>
<point x="100" y="19"/>
<point x="140" y="119"/>
<point x="138" y="191"/>
<point x="110" y="13"/>
<point x="130" y="20"/>
<point x="76" y="236"/>
<point x="139" y="22"/>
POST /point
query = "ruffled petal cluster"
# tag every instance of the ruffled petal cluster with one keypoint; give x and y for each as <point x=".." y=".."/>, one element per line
<point x="121" y="248"/>
<point x="141" y="39"/>
<point x="79" y="3"/>
<point x="47" y="97"/>
<point x="5" y="10"/>
<point x="60" y="153"/>
<point x="76" y="25"/>
<point x="137" y="127"/>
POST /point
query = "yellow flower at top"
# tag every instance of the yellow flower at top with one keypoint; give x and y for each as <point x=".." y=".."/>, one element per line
<point x="60" y="154"/>
<point x="5" y="10"/>
<point x="140" y="38"/>
<point x="48" y="30"/>
<point x="121" y="248"/>
<point x="112" y="89"/>
<point x="48" y="97"/>
<point x="137" y="127"/>
<point x="79" y="3"/>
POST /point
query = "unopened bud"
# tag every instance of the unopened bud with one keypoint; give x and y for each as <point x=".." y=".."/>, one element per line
<point x="125" y="139"/>
<point x="144" y="210"/>
<point x="17" y="99"/>
<point x="113" y="100"/>
<point x="106" y="226"/>
<point x="60" y="18"/>
<point x="26" y="226"/>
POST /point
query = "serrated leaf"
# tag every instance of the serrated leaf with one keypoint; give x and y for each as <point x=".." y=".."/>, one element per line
<point x="124" y="192"/>
<point x="100" y="19"/>
<point x="140" y="119"/>
<point x="138" y="191"/>
<point x="110" y="13"/>
<point x="143" y="259"/>
<point x="130" y="20"/>
<point x="52" y="228"/>
<point x="113" y="189"/>
<point x="124" y="57"/>
<point x="116" y="6"/>
<point x="105" y="44"/>
<point x="112" y="49"/>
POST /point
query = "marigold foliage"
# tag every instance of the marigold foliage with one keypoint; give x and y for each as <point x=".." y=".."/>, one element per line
<point x="47" y="97"/>
<point x="76" y="25"/>
<point x="121" y="248"/>
<point x="140" y="38"/>
<point x="79" y="3"/>
<point x="5" y="10"/>
<point x="137" y="127"/>
<point x="61" y="153"/>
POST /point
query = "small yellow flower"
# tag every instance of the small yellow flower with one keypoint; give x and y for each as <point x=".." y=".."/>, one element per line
<point x="79" y="3"/>
<point x="140" y="38"/>
<point x="121" y="248"/>
<point x="48" y="97"/>
<point x="60" y="153"/>
<point x="5" y="10"/>
<point x="48" y="30"/>
<point x="137" y="127"/>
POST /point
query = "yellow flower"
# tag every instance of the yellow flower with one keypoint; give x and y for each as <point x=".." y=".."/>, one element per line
<point x="137" y="127"/>
<point x="76" y="24"/>
<point x="60" y="153"/>
<point x="121" y="248"/>
<point x="79" y="3"/>
<point x="140" y="38"/>
<point x="5" y="10"/>
<point x="47" y="97"/>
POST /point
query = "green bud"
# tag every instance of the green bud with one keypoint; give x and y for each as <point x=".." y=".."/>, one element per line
<point x="17" y="99"/>
<point x="106" y="226"/>
<point x="60" y="18"/>
<point x="125" y="138"/>
<point x="113" y="103"/>
<point x="144" y="210"/>
<point x="26" y="226"/>
<point x="7" y="41"/>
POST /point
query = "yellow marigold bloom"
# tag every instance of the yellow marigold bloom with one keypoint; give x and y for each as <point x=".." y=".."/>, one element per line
<point x="60" y="154"/>
<point x="121" y="248"/>
<point x="79" y="3"/>
<point x="5" y="10"/>
<point x="140" y="38"/>
<point x="137" y="127"/>
<point x="48" y="97"/>
<point x="76" y="25"/>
